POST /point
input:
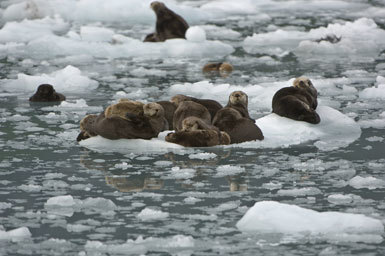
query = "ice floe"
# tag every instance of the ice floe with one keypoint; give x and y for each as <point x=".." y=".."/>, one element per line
<point x="371" y="183"/>
<point x="148" y="214"/>
<point x="15" y="234"/>
<point x="376" y="92"/>
<point x="275" y="217"/>
<point x="68" y="79"/>
<point x="360" y="39"/>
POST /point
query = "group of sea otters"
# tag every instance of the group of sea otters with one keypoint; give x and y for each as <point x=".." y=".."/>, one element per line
<point x="196" y="122"/>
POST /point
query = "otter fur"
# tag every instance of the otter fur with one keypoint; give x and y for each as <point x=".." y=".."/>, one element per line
<point x="190" y="108"/>
<point x="169" y="110"/>
<point x="46" y="93"/>
<point x="168" y="24"/>
<point x="239" y="128"/>
<point x="193" y="123"/>
<point x="239" y="101"/>
<point x="155" y="114"/>
<point x="221" y="68"/>
<point x="122" y="107"/>
<point x="199" y="138"/>
<point x="297" y="102"/>
<point x="211" y="105"/>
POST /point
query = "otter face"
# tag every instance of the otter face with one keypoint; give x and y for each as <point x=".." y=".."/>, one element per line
<point x="45" y="90"/>
<point x="302" y="82"/>
<point x="178" y="99"/>
<point x="225" y="69"/>
<point x="87" y="120"/>
<point x="238" y="97"/>
<point x="190" y="124"/>
<point x="153" y="110"/>
<point x="156" y="6"/>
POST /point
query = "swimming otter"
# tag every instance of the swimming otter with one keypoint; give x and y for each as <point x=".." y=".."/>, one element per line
<point x="190" y="108"/>
<point x="239" y="101"/>
<point x="211" y="105"/>
<point x="46" y="93"/>
<point x="221" y="68"/>
<point x="168" y="24"/>
<point x="239" y="128"/>
<point x="297" y="102"/>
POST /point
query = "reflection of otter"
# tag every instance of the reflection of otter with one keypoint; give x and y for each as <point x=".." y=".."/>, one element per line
<point x="211" y="105"/>
<point x="238" y="100"/>
<point x="190" y="108"/>
<point x="199" y="138"/>
<point x="221" y="68"/>
<point x="155" y="114"/>
<point x="169" y="110"/>
<point x="135" y="183"/>
<point x="239" y="128"/>
<point x="46" y="93"/>
<point x="168" y="24"/>
<point x="297" y="102"/>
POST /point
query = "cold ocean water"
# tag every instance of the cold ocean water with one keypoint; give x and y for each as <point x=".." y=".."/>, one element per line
<point x="307" y="189"/>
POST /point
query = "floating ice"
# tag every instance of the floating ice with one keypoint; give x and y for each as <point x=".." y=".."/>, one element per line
<point x="98" y="204"/>
<point x="360" y="40"/>
<point x="63" y="201"/>
<point x="79" y="105"/>
<point x="195" y="34"/>
<point x="227" y="170"/>
<point x="178" y="173"/>
<point x="148" y="214"/>
<point x="371" y="183"/>
<point x="299" y="192"/>
<point x="375" y="92"/>
<point x="340" y="199"/>
<point x="96" y="34"/>
<point x="15" y="234"/>
<point x="4" y="205"/>
<point x="28" y="30"/>
<point x="69" y="79"/>
<point x="274" y="217"/>
<point x="203" y="156"/>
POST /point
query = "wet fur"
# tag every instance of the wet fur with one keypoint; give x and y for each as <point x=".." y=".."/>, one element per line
<point x="239" y="128"/>
<point x="46" y="93"/>
<point x="169" y="110"/>
<point x="239" y="103"/>
<point x="187" y="109"/>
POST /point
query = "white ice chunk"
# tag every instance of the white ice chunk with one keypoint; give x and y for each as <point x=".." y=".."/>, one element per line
<point x="195" y="34"/>
<point x="274" y="217"/>
<point x="371" y="183"/>
<point x="202" y="156"/>
<point x="96" y="34"/>
<point x="15" y="234"/>
<point x="227" y="170"/>
<point x="375" y="92"/>
<point x="4" y="205"/>
<point x="69" y="79"/>
<point x="340" y="199"/>
<point x="64" y="201"/>
<point x="99" y="204"/>
<point x="148" y="214"/>
<point x="79" y="105"/>
<point x="299" y="192"/>
<point x="178" y="173"/>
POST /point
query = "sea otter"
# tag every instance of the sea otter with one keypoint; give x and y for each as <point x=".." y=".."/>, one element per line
<point x="211" y="105"/>
<point x="155" y="114"/>
<point x="168" y="24"/>
<point x="193" y="123"/>
<point x="239" y="101"/>
<point x="122" y="107"/>
<point x="169" y="110"/>
<point x="297" y="102"/>
<point x="187" y="109"/>
<point x="239" y="128"/>
<point x="46" y="93"/>
<point x="221" y="68"/>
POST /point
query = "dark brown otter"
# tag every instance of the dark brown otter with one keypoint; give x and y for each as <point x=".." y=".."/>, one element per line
<point x="211" y="105"/>
<point x="297" y="102"/>
<point x="168" y="24"/>
<point x="46" y="93"/>
<point x="193" y="123"/>
<point x="199" y="138"/>
<point x="239" y="101"/>
<point x="239" y="128"/>
<point x="169" y="110"/>
<point x="187" y="109"/>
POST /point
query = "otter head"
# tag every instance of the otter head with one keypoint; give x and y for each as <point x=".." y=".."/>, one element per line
<point x="177" y="99"/>
<point x="225" y="69"/>
<point x="153" y="110"/>
<point x="238" y="98"/>
<point x="302" y="82"/>
<point x="159" y="8"/>
<point x="124" y="106"/>
<point x="45" y="90"/>
<point x="190" y="124"/>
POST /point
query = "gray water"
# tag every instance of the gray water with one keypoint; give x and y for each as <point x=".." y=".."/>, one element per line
<point x="40" y="157"/>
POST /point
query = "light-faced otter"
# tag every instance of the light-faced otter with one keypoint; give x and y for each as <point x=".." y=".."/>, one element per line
<point x="124" y="106"/>
<point x="193" y="123"/>
<point x="169" y="110"/>
<point x="155" y="114"/>
<point x="168" y="24"/>
<point x="211" y="105"/>
<point x="86" y="127"/>
<point x="297" y="102"/>
<point x="187" y="109"/>
<point x="46" y="93"/>
<point x="239" y="101"/>
<point x="221" y="68"/>
<point x="239" y="128"/>
<point x="199" y="138"/>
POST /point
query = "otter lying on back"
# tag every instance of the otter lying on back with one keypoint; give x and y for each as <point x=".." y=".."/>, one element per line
<point x="297" y="102"/>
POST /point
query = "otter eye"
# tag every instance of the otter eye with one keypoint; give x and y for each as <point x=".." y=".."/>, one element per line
<point x="302" y="83"/>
